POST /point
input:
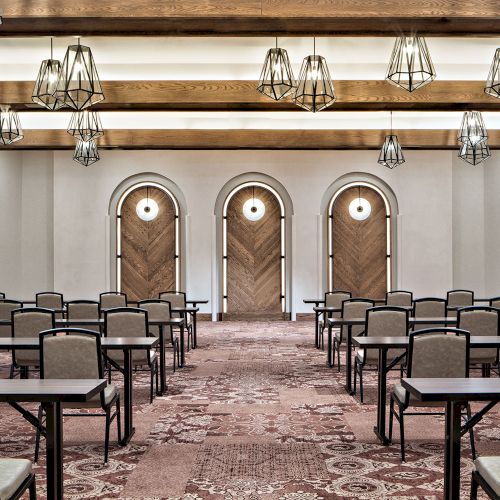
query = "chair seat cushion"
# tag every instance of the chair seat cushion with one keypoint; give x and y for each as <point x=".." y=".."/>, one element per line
<point x="400" y="393"/>
<point x="13" y="471"/>
<point x="110" y="392"/>
<point x="489" y="468"/>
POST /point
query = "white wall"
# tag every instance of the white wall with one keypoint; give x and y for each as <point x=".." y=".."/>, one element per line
<point x="492" y="224"/>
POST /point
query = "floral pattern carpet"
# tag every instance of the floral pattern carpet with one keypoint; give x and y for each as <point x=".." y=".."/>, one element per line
<point x="255" y="414"/>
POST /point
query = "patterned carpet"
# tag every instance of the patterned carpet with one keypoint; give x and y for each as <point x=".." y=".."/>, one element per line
<point x="256" y="414"/>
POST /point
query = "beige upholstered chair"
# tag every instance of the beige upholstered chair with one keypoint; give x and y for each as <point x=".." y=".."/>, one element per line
<point x="426" y="351"/>
<point x="74" y="353"/>
<point x="50" y="300"/>
<point x="131" y="322"/>
<point x="178" y="300"/>
<point x="6" y="308"/>
<point x="16" y="476"/>
<point x="481" y="321"/>
<point x="495" y="302"/>
<point x="84" y="309"/>
<point x="332" y="299"/>
<point x="109" y="300"/>
<point x="429" y="307"/>
<point x="399" y="298"/>
<point x="159" y="310"/>
<point x="2" y="295"/>
<point x="384" y="321"/>
<point x="351" y="308"/>
<point x="486" y="473"/>
<point x="28" y="323"/>
<point x="458" y="298"/>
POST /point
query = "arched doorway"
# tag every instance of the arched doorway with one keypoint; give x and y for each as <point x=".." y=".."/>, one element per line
<point x="360" y="240"/>
<point x="147" y="241"/>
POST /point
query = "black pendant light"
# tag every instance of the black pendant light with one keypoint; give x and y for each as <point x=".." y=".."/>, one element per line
<point x="493" y="82"/>
<point x="86" y="153"/>
<point x="85" y="125"/>
<point x="10" y="125"/>
<point x="474" y="154"/>
<point x="391" y="154"/>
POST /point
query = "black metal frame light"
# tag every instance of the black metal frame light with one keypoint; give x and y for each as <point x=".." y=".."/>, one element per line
<point x="78" y="85"/>
<point x="10" y="125"/>
<point x="315" y="90"/>
<point x="391" y="154"/>
<point x="85" y="125"/>
<point x="472" y="129"/>
<point x="276" y="79"/>
<point x="411" y="65"/>
<point x="474" y="154"/>
<point x="46" y="83"/>
<point x="493" y="81"/>
<point x="86" y="153"/>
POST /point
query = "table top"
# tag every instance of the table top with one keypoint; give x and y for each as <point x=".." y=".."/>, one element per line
<point x="110" y="343"/>
<point x="327" y="309"/>
<point x="184" y="309"/>
<point x="50" y="390"/>
<point x="449" y="320"/>
<point x="204" y="301"/>
<point x="453" y="389"/>
<point x="402" y="342"/>
<point x="100" y="321"/>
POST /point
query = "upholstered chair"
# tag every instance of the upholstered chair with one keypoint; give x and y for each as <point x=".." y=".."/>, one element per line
<point x="495" y="302"/>
<point x="84" y="309"/>
<point x="178" y="300"/>
<point x="332" y="299"/>
<point x="429" y="307"/>
<point x="2" y="295"/>
<point x="458" y="298"/>
<point x="16" y="476"/>
<point x="6" y="308"/>
<point x="109" y="300"/>
<point x="486" y="473"/>
<point x="51" y="300"/>
<point x="399" y="298"/>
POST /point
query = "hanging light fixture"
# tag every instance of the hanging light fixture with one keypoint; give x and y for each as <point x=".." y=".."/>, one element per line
<point x="411" y="65"/>
<point x="254" y="209"/>
<point x="78" y="85"/>
<point x="391" y="154"/>
<point x="360" y="208"/>
<point x="276" y="79"/>
<point x="315" y="89"/>
<point x="147" y="209"/>
<point x="474" y="154"/>
<point x="85" y="125"/>
<point x="46" y="81"/>
<point x="472" y="130"/>
<point x="493" y="82"/>
<point x="86" y="153"/>
<point x="10" y="125"/>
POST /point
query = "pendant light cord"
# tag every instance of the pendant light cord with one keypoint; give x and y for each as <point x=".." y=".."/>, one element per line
<point x="276" y="42"/>
<point x="314" y="46"/>
<point x="51" y="48"/>
<point x="391" y="121"/>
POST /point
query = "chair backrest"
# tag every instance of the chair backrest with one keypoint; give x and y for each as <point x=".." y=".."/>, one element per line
<point x="84" y="309"/>
<point x="335" y="299"/>
<point x="6" y="308"/>
<point x="2" y="295"/>
<point x="176" y="299"/>
<point x="49" y="300"/>
<point x="71" y="353"/>
<point x="429" y="307"/>
<point x="495" y="302"/>
<point x="480" y="321"/>
<point x="110" y="300"/>
<point x="400" y="298"/>
<point x="355" y="308"/>
<point x="157" y="309"/>
<point x="28" y="323"/>
<point x="459" y="298"/>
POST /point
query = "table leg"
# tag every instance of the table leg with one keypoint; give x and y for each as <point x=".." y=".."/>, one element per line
<point x="348" y="362"/>
<point x="452" y="451"/>
<point x="127" y="383"/>
<point x="379" y="429"/>
<point x="182" y="345"/>
<point x="163" y="382"/>
<point x="54" y="450"/>
<point x="316" y="329"/>
<point x="330" y="358"/>
<point x="194" y="330"/>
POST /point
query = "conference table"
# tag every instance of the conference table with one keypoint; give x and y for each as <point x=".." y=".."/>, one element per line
<point x="51" y="394"/>
<point x="125" y="344"/>
<point x="456" y="392"/>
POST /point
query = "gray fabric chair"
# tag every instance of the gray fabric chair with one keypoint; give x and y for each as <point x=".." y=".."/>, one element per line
<point x="131" y="322"/>
<point x="486" y="473"/>
<point x="28" y="323"/>
<point x="481" y="321"/>
<point x="332" y="299"/>
<point x="84" y="309"/>
<point x="458" y="298"/>
<point x="495" y="302"/>
<point x="16" y="476"/>
<point x="159" y="310"/>
<point x="351" y="308"/>
<point x="429" y="307"/>
<point x="178" y="299"/>
<point x="6" y="308"/>
<point x="2" y="295"/>
<point x="427" y="351"/>
<point x="75" y="353"/>
<point x="110" y="300"/>
<point x="384" y="321"/>
<point x="399" y="298"/>
<point x="50" y="300"/>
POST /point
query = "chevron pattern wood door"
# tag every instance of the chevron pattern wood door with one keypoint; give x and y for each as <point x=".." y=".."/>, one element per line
<point x="254" y="255"/>
<point x="360" y="247"/>
<point x="148" y="248"/>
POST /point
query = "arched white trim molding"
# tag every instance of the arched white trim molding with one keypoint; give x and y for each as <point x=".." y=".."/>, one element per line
<point x="114" y="212"/>
<point x="221" y="204"/>
<point x="391" y="209"/>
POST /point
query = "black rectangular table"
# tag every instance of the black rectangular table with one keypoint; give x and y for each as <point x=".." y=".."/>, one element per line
<point x="383" y="344"/>
<point x="125" y="344"/>
<point x="51" y="394"/>
<point x="184" y="311"/>
<point x="455" y="393"/>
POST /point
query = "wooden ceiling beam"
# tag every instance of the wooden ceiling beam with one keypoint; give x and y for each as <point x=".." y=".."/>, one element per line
<point x="248" y="139"/>
<point x="241" y="95"/>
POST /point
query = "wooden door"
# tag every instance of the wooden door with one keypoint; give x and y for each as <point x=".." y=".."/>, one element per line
<point x="360" y="247"/>
<point x="148" y="264"/>
<point x="253" y="255"/>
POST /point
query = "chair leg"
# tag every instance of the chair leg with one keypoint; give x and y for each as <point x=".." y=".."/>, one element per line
<point x="178" y="352"/>
<point x="471" y="435"/>
<point x="338" y="356"/>
<point x="37" y="438"/>
<point x="473" y="487"/>
<point x="11" y="373"/>
<point x="109" y="375"/>
<point x="402" y="435"/>
<point x="355" y="374"/>
<point x="118" y="419"/>
<point x="157" y="375"/>
<point x="32" y="489"/>
<point x="151" y="383"/>
<point x="361" y="383"/>
<point x="106" y="436"/>
<point x="391" y="418"/>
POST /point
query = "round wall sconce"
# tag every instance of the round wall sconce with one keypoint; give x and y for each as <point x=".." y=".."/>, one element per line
<point x="254" y="209"/>
<point x="147" y="209"/>
<point x="359" y="208"/>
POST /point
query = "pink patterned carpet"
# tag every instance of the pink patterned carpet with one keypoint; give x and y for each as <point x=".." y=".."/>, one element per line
<point x="256" y="414"/>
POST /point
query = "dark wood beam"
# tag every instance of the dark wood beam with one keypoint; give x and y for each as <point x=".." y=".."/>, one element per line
<point x="241" y="95"/>
<point x="248" y="139"/>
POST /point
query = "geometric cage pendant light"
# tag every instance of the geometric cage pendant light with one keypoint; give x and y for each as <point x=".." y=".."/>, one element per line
<point x="492" y="86"/>
<point x="78" y="85"/>
<point x="85" y="125"/>
<point x="411" y="65"/>
<point x="276" y="79"/>
<point x="472" y="129"/>
<point x="474" y="154"/>
<point x="391" y="154"/>
<point x="86" y="153"/>
<point x="10" y="125"/>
